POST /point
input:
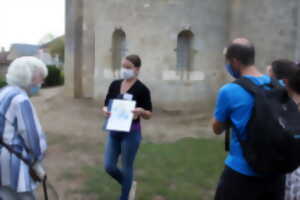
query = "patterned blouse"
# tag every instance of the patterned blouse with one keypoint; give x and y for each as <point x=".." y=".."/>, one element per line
<point x="292" y="185"/>
<point x="21" y="129"/>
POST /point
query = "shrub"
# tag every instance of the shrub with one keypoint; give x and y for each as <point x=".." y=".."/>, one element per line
<point x="62" y="77"/>
<point x="55" y="77"/>
<point x="2" y="82"/>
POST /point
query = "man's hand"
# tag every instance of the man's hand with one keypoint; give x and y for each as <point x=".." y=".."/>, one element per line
<point x="218" y="127"/>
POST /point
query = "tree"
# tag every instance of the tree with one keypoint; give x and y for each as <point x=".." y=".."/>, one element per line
<point x="46" y="38"/>
<point x="57" y="47"/>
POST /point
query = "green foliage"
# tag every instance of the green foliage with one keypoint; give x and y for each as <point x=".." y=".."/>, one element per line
<point x="188" y="169"/>
<point x="2" y="82"/>
<point x="57" y="46"/>
<point x="55" y="77"/>
<point x="46" y="38"/>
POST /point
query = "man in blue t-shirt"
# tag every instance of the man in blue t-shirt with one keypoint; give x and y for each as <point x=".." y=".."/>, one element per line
<point x="234" y="105"/>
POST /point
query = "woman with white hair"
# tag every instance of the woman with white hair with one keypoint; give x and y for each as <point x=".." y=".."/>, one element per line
<point x="20" y="128"/>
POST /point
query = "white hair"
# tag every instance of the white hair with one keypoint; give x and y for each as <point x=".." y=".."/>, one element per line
<point x="22" y="71"/>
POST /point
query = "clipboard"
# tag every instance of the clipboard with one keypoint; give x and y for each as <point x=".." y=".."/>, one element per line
<point x="121" y="115"/>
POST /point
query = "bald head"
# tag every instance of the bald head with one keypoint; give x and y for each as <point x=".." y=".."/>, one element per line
<point x="242" y="41"/>
<point x="242" y="50"/>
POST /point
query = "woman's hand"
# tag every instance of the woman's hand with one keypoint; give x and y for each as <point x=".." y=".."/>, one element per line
<point x="141" y="112"/>
<point x="105" y="111"/>
<point x="138" y="112"/>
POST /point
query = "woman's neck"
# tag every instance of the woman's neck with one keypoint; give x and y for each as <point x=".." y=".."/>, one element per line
<point x="252" y="71"/>
<point x="130" y="80"/>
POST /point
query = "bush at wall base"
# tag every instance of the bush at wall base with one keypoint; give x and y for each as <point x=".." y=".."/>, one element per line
<point x="55" y="77"/>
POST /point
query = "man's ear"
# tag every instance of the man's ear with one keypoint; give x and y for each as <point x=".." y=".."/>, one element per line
<point x="270" y="71"/>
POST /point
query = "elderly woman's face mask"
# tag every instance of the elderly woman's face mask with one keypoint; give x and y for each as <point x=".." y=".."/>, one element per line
<point x="34" y="90"/>
<point x="36" y="84"/>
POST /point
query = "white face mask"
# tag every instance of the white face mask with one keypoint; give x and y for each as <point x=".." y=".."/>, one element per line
<point x="127" y="73"/>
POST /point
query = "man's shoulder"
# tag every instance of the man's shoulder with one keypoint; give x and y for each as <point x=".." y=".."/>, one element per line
<point x="237" y="89"/>
<point x="230" y="87"/>
<point x="260" y="80"/>
<point x="233" y="92"/>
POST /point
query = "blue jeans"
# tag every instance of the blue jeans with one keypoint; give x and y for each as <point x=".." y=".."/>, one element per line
<point x="126" y="145"/>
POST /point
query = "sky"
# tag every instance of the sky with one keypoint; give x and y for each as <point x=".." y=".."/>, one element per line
<point x="29" y="21"/>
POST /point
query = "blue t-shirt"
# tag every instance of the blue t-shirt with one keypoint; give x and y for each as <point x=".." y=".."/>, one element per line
<point x="235" y="104"/>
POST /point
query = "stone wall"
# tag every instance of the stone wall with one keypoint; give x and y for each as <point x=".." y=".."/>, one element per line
<point x="271" y="24"/>
<point x="152" y="28"/>
<point x="73" y="48"/>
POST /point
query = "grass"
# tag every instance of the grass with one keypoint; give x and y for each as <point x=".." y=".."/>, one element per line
<point x="188" y="169"/>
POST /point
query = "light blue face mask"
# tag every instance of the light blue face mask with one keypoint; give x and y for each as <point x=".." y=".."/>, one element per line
<point x="233" y="73"/>
<point x="34" y="90"/>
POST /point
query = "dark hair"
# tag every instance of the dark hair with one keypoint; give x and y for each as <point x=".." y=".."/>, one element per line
<point x="294" y="81"/>
<point x="243" y="53"/>
<point x="283" y="68"/>
<point x="135" y="60"/>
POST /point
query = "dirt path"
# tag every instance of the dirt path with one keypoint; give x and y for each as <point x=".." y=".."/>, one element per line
<point x="73" y="128"/>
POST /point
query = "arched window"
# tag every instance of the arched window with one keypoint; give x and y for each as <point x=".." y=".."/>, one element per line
<point x="184" y="50"/>
<point x="118" y="48"/>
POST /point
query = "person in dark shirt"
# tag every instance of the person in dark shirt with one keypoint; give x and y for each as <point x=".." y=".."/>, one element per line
<point x="121" y="143"/>
<point x="281" y="69"/>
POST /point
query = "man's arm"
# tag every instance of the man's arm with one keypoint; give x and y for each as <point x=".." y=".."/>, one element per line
<point x="222" y="111"/>
<point x="218" y="127"/>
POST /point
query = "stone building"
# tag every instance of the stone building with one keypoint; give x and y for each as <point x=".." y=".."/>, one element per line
<point x="180" y="43"/>
<point x="38" y="51"/>
<point x="19" y="50"/>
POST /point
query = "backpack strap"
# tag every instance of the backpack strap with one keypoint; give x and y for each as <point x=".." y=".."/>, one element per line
<point x="251" y="87"/>
<point x="248" y="85"/>
<point x="227" y="139"/>
<point x="274" y="84"/>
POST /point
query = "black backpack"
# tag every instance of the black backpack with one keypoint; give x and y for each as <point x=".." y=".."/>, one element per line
<point x="272" y="142"/>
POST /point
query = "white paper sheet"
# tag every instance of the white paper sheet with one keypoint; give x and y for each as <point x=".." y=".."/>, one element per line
<point x="121" y="115"/>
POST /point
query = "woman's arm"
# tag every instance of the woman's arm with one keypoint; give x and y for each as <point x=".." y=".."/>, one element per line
<point x="144" y="109"/>
<point x="110" y="95"/>
<point x="105" y="111"/>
